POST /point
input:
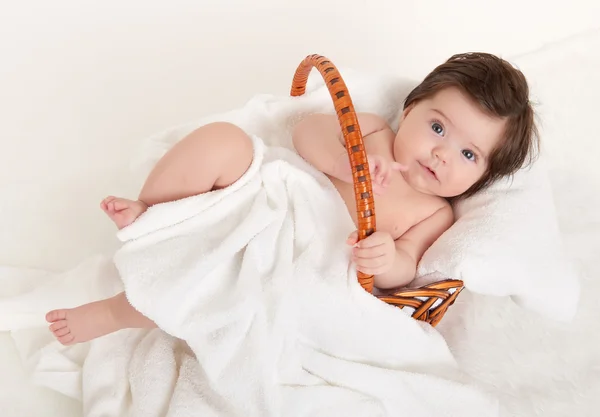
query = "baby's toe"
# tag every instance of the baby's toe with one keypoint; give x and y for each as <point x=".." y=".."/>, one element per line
<point x="107" y="200"/>
<point x="66" y="339"/>
<point x="57" y="325"/>
<point x="56" y="315"/>
<point x="120" y="205"/>
<point x="62" y="332"/>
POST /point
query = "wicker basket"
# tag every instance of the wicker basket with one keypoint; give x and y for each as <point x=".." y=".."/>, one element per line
<point x="429" y="302"/>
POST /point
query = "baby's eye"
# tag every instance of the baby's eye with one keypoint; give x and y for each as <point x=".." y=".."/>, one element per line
<point x="437" y="128"/>
<point x="469" y="154"/>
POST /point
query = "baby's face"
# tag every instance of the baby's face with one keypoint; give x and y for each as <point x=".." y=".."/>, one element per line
<point x="445" y="142"/>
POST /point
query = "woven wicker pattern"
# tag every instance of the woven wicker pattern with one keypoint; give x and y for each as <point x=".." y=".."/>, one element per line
<point x="365" y="206"/>
<point x="430" y="302"/>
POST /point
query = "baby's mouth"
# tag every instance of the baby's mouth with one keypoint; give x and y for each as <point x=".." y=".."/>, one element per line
<point x="429" y="170"/>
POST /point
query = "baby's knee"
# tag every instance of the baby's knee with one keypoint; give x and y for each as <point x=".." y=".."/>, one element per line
<point x="235" y="141"/>
<point x="231" y="150"/>
<point x="222" y="139"/>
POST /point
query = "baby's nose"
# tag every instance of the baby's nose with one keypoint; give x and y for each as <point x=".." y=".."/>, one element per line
<point x="440" y="153"/>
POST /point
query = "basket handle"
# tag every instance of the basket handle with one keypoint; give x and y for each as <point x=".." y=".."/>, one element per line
<point x="363" y="191"/>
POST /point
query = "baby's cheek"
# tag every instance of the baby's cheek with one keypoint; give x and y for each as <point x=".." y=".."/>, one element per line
<point x="462" y="181"/>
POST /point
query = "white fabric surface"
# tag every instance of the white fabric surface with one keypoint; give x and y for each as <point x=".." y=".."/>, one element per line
<point x="254" y="279"/>
<point x="534" y="366"/>
<point x="506" y="242"/>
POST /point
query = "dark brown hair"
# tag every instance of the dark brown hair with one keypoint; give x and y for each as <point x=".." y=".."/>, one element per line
<point x="500" y="90"/>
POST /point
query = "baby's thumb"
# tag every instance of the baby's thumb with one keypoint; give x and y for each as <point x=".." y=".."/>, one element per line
<point x="353" y="238"/>
<point x="374" y="162"/>
<point x="397" y="166"/>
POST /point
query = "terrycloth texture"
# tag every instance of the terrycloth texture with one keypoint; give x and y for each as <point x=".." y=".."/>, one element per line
<point x="536" y="367"/>
<point x="255" y="280"/>
<point x="267" y="315"/>
<point x="48" y="363"/>
<point x="505" y="241"/>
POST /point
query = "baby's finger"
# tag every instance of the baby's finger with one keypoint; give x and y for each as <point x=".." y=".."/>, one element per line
<point x="374" y="164"/>
<point x="387" y="178"/>
<point x="372" y="167"/>
<point x="368" y="253"/>
<point x="369" y="263"/>
<point x="369" y="270"/>
<point x="376" y="239"/>
<point x="353" y="238"/>
<point x="397" y="166"/>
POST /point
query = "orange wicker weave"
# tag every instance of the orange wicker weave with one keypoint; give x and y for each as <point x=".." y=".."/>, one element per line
<point x="431" y="301"/>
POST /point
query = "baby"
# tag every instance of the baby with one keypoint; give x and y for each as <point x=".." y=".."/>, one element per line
<point x="468" y="124"/>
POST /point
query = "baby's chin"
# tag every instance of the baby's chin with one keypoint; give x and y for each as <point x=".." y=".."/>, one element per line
<point x="449" y="194"/>
<point x="418" y="184"/>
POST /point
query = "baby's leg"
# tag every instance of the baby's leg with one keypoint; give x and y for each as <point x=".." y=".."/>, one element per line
<point x="89" y="321"/>
<point x="211" y="157"/>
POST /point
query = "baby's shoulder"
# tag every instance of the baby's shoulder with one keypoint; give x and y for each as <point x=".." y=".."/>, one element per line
<point x="370" y="123"/>
<point x="431" y="206"/>
<point x="440" y="214"/>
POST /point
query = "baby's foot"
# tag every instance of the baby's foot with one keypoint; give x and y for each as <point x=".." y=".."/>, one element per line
<point x="122" y="211"/>
<point x="83" y="323"/>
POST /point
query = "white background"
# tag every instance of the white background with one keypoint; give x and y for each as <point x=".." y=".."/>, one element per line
<point x="82" y="83"/>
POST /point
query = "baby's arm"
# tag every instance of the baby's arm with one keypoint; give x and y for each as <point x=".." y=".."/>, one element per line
<point x="411" y="246"/>
<point x="318" y="139"/>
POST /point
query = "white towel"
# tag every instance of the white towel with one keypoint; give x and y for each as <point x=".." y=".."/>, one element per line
<point x="256" y="278"/>
<point x="264" y="315"/>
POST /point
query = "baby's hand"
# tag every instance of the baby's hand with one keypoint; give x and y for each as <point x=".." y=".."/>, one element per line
<point x="373" y="255"/>
<point x="381" y="172"/>
<point x="380" y="169"/>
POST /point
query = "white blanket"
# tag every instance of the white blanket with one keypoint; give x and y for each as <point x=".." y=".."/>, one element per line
<point x="256" y="279"/>
<point x="263" y="312"/>
<point x="536" y="367"/>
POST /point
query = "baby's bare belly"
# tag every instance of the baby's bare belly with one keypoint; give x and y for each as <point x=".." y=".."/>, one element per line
<point x="395" y="212"/>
